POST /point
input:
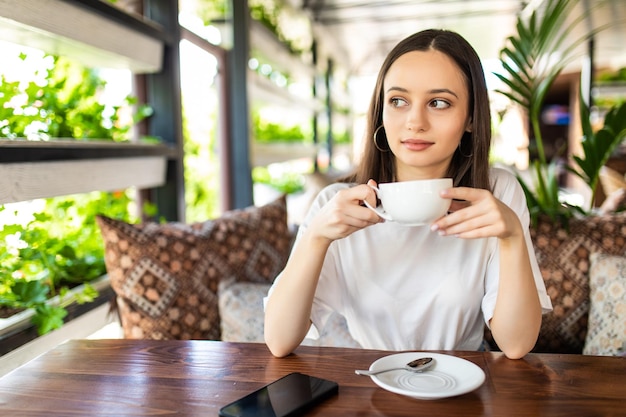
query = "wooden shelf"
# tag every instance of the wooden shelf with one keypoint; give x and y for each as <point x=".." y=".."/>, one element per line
<point x="610" y="90"/>
<point x="264" y="154"/>
<point x="264" y="42"/>
<point x="80" y="30"/>
<point x="51" y="169"/>
<point x="22" y="150"/>
<point x="263" y="89"/>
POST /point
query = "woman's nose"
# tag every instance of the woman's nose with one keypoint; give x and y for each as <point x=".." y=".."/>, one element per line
<point x="417" y="120"/>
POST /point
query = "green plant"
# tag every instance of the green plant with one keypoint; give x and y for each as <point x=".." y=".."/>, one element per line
<point x="59" y="245"/>
<point x="268" y="132"/>
<point x="273" y="14"/>
<point x="612" y="79"/>
<point x="612" y="76"/>
<point x="598" y="146"/>
<point x="201" y="169"/>
<point x="286" y="182"/>
<point x="532" y="59"/>
<point x="44" y="258"/>
<point x="64" y="104"/>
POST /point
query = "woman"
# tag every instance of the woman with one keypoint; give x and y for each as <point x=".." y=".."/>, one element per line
<point x="418" y="288"/>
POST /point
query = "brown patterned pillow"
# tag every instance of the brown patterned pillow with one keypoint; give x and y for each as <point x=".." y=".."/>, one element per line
<point x="564" y="261"/>
<point x="166" y="276"/>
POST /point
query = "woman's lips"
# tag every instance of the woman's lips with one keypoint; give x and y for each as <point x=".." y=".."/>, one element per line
<point x="416" y="145"/>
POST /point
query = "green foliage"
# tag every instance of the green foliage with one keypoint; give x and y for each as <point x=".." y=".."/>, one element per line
<point x="44" y="257"/>
<point x="530" y="69"/>
<point x="59" y="246"/>
<point x="48" y="318"/>
<point x="340" y="137"/>
<point x="65" y="106"/>
<point x="530" y="62"/>
<point x="287" y="182"/>
<point x="598" y="146"/>
<point x="612" y="76"/>
<point x="268" y="13"/>
<point x="25" y="294"/>
<point x="267" y="132"/>
<point x="201" y="165"/>
<point x="212" y="11"/>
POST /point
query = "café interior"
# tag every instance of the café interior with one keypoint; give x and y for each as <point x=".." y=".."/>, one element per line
<point x="218" y="79"/>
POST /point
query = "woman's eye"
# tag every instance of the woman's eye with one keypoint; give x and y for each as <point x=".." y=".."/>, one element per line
<point x="439" y="104"/>
<point x="397" y="102"/>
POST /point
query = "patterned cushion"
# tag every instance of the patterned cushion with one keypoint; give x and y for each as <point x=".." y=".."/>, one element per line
<point x="241" y="310"/>
<point x="166" y="276"/>
<point x="564" y="261"/>
<point x="607" y="316"/>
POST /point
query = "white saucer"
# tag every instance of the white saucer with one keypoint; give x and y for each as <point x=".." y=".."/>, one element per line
<point x="450" y="376"/>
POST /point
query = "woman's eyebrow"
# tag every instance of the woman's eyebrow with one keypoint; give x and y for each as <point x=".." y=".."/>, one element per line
<point x="433" y="91"/>
<point x="443" y="90"/>
<point x="401" y="89"/>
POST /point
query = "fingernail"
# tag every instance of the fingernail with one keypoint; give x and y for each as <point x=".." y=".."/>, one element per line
<point x="434" y="227"/>
<point x="442" y="233"/>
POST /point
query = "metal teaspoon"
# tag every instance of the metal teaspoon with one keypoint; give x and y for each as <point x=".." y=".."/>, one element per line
<point x="417" y="365"/>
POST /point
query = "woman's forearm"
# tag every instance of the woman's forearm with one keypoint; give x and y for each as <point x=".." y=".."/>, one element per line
<point x="288" y="309"/>
<point x="517" y="314"/>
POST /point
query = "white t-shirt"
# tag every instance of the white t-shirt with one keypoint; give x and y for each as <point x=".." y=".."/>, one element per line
<point x="408" y="288"/>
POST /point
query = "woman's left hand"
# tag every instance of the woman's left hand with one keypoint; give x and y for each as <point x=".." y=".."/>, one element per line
<point x="476" y="213"/>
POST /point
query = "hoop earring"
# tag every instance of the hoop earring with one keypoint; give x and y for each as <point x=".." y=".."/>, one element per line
<point x="461" y="153"/>
<point x="376" y="141"/>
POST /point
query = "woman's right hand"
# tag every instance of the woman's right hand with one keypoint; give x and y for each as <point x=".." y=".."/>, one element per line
<point x="288" y="309"/>
<point x="345" y="213"/>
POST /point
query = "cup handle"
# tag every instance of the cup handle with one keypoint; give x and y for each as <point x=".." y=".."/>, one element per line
<point x="378" y="210"/>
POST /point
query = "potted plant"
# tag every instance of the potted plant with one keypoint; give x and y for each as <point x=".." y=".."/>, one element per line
<point x="532" y="60"/>
<point x="563" y="235"/>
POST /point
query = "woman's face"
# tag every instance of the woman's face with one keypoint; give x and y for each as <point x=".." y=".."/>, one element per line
<point x="425" y="113"/>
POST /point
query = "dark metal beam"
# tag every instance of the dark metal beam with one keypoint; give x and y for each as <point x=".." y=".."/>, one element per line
<point x="164" y="96"/>
<point x="239" y="151"/>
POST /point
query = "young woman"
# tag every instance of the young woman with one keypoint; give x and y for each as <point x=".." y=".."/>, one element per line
<point x="418" y="288"/>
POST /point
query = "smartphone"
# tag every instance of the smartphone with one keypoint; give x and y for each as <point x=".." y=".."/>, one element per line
<point x="287" y="396"/>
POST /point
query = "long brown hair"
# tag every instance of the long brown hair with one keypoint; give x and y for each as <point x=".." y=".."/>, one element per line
<point x="470" y="163"/>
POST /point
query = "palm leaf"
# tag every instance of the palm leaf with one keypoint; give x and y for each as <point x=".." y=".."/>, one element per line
<point x="597" y="147"/>
<point x="530" y="68"/>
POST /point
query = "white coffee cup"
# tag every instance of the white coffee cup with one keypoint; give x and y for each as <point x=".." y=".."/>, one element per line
<point x="412" y="203"/>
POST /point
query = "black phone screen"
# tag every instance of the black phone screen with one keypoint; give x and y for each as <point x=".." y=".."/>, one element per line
<point x="284" y="397"/>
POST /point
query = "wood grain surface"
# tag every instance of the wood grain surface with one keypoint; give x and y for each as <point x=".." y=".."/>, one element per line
<point x="197" y="378"/>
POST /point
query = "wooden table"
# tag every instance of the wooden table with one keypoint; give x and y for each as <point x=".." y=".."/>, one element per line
<point x="195" y="378"/>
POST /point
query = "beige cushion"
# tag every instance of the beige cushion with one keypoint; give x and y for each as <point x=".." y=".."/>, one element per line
<point x="241" y="310"/>
<point x="242" y="313"/>
<point x="607" y="315"/>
